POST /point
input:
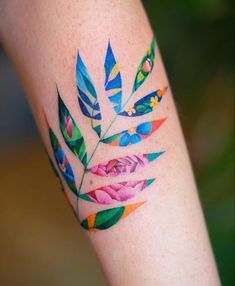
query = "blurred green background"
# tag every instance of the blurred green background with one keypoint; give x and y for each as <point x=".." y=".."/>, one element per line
<point x="40" y="242"/>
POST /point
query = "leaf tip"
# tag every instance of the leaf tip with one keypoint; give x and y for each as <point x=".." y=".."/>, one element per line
<point x="59" y="97"/>
<point x="58" y="93"/>
<point x="158" y="123"/>
<point x="153" y="156"/>
<point x="161" y="153"/>
<point x="150" y="181"/>
<point x="153" y="41"/>
<point x="78" y="55"/>
<point x="162" y="91"/>
<point x="163" y="119"/>
<point x="79" y="63"/>
<point x="130" y="208"/>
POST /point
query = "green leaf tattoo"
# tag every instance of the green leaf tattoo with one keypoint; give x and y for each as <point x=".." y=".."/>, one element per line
<point x="145" y="66"/>
<point x="62" y="161"/>
<point x="107" y="218"/>
<point x="71" y="133"/>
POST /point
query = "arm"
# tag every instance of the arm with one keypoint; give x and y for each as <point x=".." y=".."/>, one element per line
<point x="148" y="229"/>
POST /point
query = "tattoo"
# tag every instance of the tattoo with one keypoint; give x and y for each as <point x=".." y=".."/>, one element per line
<point x="118" y="192"/>
<point x="113" y="80"/>
<point x="134" y="134"/>
<point x="71" y="133"/>
<point x="107" y="218"/>
<point x="87" y="96"/>
<point x="123" y="165"/>
<point x="145" y="66"/>
<point x="145" y="105"/>
<point x="62" y="165"/>
<point x="88" y="101"/>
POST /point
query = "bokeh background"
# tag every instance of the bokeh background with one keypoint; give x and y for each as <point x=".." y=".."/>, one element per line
<point x="40" y="242"/>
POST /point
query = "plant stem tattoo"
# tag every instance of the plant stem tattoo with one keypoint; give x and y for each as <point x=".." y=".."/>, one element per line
<point x="88" y="102"/>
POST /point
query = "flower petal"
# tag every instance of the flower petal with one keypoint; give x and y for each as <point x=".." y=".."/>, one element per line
<point x="125" y="139"/>
<point x="135" y="138"/>
<point x="60" y="156"/>
<point x="68" y="177"/>
<point x="117" y="192"/>
<point x="69" y="173"/>
<point x="103" y="198"/>
<point x="69" y="125"/>
<point x="144" y="128"/>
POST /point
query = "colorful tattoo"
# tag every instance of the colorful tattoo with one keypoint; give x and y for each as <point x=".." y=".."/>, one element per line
<point x="107" y="218"/>
<point x="113" y="80"/>
<point x="71" y="133"/>
<point x="87" y="96"/>
<point x="123" y="165"/>
<point x="62" y="161"/>
<point x="134" y="134"/>
<point x="145" y="66"/>
<point x="88" y="102"/>
<point x="145" y="105"/>
<point x="119" y="192"/>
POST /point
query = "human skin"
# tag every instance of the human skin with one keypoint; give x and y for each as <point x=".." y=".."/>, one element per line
<point x="164" y="241"/>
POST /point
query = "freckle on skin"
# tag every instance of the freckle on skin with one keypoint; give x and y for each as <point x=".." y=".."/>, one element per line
<point x="91" y="182"/>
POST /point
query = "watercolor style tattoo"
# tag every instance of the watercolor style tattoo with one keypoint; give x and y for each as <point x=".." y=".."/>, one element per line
<point x="123" y="165"/>
<point x="88" y="101"/>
